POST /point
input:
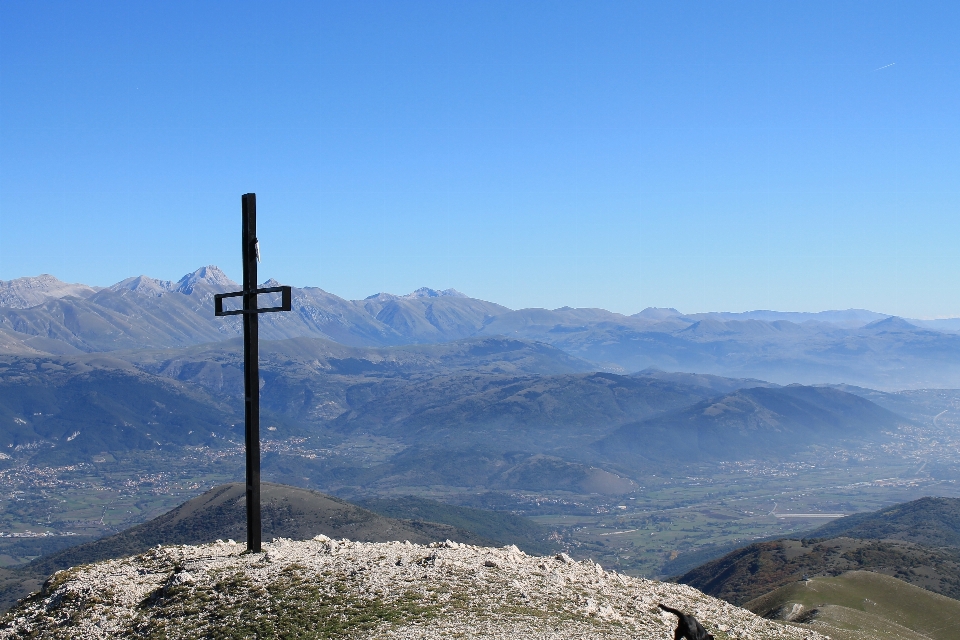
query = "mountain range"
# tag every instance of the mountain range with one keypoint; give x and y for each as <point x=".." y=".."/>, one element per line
<point x="42" y="315"/>
<point x="492" y="413"/>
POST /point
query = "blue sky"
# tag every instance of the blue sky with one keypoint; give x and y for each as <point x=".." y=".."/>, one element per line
<point x="704" y="156"/>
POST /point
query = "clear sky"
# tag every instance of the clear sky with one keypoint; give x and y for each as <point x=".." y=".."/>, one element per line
<point x="700" y="155"/>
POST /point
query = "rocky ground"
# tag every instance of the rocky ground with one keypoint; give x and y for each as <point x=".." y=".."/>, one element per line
<point x="325" y="588"/>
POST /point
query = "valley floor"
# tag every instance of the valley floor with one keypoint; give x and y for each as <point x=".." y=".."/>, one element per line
<point x="665" y="527"/>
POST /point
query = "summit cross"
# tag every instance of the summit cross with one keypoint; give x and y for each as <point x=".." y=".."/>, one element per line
<point x="251" y="367"/>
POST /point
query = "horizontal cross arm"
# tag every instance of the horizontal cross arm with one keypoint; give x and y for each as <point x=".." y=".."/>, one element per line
<point x="286" y="297"/>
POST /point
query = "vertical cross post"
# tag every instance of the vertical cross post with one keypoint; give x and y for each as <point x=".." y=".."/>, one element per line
<point x="251" y="370"/>
<point x="251" y="365"/>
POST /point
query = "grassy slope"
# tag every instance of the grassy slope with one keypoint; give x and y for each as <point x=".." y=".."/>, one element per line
<point x="933" y="522"/>
<point x="917" y="541"/>
<point x="538" y="412"/>
<point x="66" y="416"/>
<point x="756" y="569"/>
<point x="759" y="423"/>
<point x="876" y="606"/>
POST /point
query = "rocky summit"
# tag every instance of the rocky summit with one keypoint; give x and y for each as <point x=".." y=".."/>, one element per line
<point x="324" y="588"/>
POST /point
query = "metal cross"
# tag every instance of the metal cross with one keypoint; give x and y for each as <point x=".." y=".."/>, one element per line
<point x="251" y="368"/>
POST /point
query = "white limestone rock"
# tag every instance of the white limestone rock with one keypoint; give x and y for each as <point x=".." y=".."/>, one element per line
<point x="339" y="588"/>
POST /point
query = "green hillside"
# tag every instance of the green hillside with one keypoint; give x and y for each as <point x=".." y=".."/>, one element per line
<point x="718" y="385"/>
<point x="862" y="605"/>
<point x="755" y="423"/>
<point x="518" y="409"/>
<point x="51" y="411"/>
<point x="748" y="573"/>
<point x="932" y="522"/>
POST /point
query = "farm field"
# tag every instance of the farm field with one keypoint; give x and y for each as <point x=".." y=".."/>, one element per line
<point x="673" y="525"/>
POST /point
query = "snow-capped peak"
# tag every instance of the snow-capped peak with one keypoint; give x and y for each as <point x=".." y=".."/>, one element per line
<point x="22" y="293"/>
<point x="144" y="285"/>
<point x="422" y="292"/>
<point x="210" y="275"/>
<point x="426" y="292"/>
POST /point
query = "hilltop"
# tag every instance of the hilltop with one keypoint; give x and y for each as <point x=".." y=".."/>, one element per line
<point x="339" y="588"/>
<point x="862" y="605"/>
<point x="220" y="513"/>
<point x="757" y="422"/>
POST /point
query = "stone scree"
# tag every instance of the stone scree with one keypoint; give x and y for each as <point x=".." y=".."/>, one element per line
<point x="325" y="588"/>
